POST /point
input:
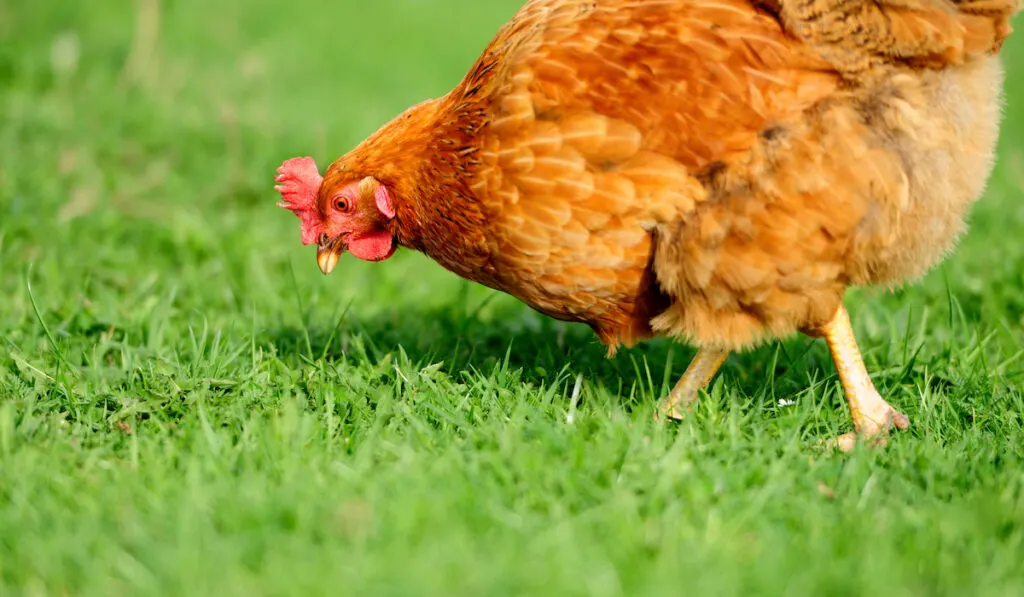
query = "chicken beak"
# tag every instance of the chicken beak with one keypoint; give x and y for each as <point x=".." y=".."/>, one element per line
<point x="327" y="255"/>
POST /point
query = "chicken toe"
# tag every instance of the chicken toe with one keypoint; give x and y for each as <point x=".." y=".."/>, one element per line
<point x="872" y="416"/>
<point x="698" y="374"/>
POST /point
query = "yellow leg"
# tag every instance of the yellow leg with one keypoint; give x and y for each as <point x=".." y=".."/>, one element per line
<point x="872" y="416"/>
<point x="702" y="368"/>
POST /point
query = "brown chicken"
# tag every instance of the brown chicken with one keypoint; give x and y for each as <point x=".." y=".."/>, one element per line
<point x="718" y="171"/>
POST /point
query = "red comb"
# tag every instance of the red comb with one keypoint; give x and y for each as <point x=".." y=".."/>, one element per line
<point x="299" y="183"/>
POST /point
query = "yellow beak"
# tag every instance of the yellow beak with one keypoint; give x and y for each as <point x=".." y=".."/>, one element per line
<point x="327" y="255"/>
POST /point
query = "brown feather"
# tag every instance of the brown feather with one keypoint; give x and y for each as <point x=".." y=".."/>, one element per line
<point x="716" y="170"/>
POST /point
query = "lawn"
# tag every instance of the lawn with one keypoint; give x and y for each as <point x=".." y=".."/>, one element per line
<point x="188" y="407"/>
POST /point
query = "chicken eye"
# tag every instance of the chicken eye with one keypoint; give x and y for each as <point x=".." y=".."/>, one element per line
<point x="341" y="204"/>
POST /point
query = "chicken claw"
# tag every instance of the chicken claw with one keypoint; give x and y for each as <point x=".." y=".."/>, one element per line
<point x="872" y="416"/>
<point x="702" y="368"/>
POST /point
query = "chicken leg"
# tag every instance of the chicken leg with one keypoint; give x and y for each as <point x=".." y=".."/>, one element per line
<point x="700" y="371"/>
<point x="872" y="416"/>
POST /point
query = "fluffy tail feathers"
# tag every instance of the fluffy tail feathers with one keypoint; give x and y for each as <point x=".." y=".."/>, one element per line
<point x="855" y="36"/>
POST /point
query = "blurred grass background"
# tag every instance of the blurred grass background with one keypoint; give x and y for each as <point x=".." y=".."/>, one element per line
<point x="188" y="407"/>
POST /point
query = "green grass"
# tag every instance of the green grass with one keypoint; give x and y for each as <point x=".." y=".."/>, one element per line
<point x="187" y="407"/>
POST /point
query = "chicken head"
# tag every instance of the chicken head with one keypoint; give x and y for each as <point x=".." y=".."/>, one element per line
<point x="338" y="214"/>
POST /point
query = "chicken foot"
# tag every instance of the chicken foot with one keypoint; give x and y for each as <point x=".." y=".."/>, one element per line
<point x="872" y="416"/>
<point x="698" y="374"/>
